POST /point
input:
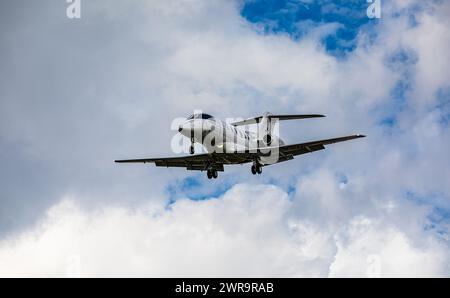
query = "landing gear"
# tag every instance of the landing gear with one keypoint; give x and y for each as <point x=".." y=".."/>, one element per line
<point x="256" y="169"/>
<point x="191" y="148"/>
<point x="259" y="169"/>
<point x="212" y="173"/>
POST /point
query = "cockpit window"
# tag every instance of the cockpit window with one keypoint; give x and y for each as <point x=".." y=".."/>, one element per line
<point x="200" y="116"/>
<point x="206" y="116"/>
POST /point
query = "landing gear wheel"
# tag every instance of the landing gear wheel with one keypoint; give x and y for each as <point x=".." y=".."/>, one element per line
<point x="191" y="149"/>
<point x="211" y="173"/>
<point x="253" y="169"/>
<point x="259" y="169"/>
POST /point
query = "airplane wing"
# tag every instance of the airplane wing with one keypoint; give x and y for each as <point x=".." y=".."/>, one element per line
<point x="190" y="162"/>
<point x="287" y="152"/>
<point x="200" y="162"/>
<point x="217" y="160"/>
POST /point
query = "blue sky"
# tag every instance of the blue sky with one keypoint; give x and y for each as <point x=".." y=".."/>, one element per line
<point x="296" y="18"/>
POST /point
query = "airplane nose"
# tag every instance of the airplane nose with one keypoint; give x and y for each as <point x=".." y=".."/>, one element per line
<point x="189" y="128"/>
<point x="185" y="129"/>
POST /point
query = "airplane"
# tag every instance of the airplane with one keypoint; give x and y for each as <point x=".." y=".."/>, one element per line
<point x="228" y="144"/>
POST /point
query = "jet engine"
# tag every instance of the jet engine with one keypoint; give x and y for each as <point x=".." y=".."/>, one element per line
<point x="265" y="130"/>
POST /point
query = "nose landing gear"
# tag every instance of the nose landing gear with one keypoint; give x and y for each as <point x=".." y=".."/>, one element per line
<point x="191" y="148"/>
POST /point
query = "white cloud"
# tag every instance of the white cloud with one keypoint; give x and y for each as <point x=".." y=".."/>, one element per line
<point x="364" y="244"/>
<point x="244" y="233"/>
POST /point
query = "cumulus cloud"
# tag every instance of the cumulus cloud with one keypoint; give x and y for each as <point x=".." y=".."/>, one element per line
<point x="246" y="232"/>
<point x="387" y="252"/>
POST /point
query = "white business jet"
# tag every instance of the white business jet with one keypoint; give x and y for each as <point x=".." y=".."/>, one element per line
<point x="229" y="144"/>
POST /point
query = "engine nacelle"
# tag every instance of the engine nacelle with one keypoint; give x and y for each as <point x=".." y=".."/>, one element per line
<point x="267" y="139"/>
<point x="265" y="131"/>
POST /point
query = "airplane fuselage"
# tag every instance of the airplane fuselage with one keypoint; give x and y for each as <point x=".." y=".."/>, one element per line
<point x="217" y="136"/>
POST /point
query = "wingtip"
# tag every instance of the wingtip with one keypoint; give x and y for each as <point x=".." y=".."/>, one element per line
<point x="360" y="136"/>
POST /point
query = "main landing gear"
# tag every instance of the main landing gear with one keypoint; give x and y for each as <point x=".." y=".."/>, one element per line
<point x="212" y="173"/>
<point x="256" y="169"/>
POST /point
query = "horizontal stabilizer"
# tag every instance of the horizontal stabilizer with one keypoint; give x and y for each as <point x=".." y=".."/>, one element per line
<point x="276" y="117"/>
